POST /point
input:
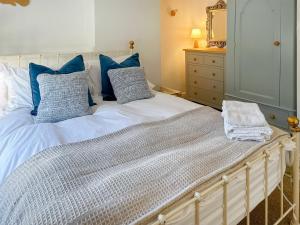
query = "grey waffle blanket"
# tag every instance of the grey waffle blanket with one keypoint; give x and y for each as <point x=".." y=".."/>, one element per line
<point x="123" y="177"/>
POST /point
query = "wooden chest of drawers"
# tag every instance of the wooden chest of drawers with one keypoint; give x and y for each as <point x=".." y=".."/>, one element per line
<point x="205" y="76"/>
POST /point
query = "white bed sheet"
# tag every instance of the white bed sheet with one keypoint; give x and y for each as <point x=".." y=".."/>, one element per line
<point x="20" y="138"/>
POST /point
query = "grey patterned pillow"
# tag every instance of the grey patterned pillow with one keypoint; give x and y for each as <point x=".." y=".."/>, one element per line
<point x="62" y="97"/>
<point x="129" y="84"/>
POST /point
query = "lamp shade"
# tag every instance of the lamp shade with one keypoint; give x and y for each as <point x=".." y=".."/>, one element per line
<point x="196" y="33"/>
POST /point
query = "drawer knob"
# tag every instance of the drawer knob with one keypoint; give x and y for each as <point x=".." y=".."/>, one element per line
<point x="213" y="74"/>
<point x="214" y="61"/>
<point x="214" y="86"/>
<point x="214" y="98"/>
<point x="272" y="116"/>
<point x="195" y="93"/>
<point x="195" y="71"/>
<point x="195" y="59"/>
<point x="195" y="82"/>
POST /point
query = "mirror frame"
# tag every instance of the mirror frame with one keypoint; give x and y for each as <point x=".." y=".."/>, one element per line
<point x="220" y="5"/>
<point x="15" y="2"/>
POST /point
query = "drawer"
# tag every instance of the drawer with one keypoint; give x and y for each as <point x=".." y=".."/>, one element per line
<point x="214" y="61"/>
<point x="195" y="59"/>
<point x="275" y="117"/>
<point x="206" y="97"/>
<point x="212" y="73"/>
<point x="207" y="84"/>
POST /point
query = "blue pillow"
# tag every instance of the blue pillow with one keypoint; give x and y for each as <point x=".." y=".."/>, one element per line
<point x="107" y="64"/>
<point x="75" y="65"/>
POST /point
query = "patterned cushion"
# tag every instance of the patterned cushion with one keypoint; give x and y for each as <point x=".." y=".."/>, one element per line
<point x="62" y="97"/>
<point x="129" y="84"/>
<point x="74" y="65"/>
<point x="107" y="64"/>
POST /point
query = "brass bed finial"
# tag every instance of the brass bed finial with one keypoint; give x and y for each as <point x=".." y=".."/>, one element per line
<point x="131" y="45"/>
<point x="294" y="123"/>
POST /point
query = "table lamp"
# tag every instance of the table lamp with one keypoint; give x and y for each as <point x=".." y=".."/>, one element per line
<point x="196" y="35"/>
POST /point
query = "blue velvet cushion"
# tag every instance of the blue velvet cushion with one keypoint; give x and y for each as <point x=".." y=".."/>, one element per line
<point x="107" y="64"/>
<point x="75" y="65"/>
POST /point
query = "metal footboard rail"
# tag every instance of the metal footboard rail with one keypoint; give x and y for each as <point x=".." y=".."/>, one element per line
<point x="224" y="182"/>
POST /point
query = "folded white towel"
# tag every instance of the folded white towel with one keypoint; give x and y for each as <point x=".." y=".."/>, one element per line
<point x="244" y="121"/>
<point x="243" y="114"/>
<point x="248" y="133"/>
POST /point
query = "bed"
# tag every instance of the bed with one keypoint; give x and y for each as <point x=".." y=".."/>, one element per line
<point x="29" y="138"/>
<point x="227" y="194"/>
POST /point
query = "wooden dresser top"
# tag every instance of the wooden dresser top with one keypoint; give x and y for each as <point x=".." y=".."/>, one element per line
<point x="207" y="50"/>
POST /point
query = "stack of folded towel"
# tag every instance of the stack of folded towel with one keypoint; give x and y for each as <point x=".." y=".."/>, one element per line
<point x="244" y="121"/>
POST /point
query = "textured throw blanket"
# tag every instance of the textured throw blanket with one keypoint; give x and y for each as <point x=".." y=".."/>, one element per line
<point x="121" y="178"/>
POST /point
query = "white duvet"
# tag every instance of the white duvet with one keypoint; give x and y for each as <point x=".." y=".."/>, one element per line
<point x="20" y="138"/>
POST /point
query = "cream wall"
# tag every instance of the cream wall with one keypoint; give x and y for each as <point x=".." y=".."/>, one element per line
<point x="84" y="25"/>
<point x="175" y="36"/>
<point x="118" y="21"/>
<point x="45" y="26"/>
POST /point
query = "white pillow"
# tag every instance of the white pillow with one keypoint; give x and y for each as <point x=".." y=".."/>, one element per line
<point x="151" y="85"/>
<point x="3" y="92"/>
<point x="18" y="87"/>
<point x="94" y="81"/>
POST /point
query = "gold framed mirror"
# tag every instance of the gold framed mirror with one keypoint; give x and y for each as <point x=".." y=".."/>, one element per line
<point x="15" y="2"/>
<point x="217" y="24"/>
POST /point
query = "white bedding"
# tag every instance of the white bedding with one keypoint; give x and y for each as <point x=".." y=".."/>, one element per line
<point x="20" y="138"/>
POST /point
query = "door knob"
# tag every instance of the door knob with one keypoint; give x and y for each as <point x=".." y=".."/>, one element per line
<point x="277" y="43"/>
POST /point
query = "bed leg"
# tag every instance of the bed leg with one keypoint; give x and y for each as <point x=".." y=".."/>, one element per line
<point x="294" y="125"/>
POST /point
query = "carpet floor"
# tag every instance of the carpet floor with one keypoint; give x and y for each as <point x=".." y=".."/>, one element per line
<point x="258" y="214"/>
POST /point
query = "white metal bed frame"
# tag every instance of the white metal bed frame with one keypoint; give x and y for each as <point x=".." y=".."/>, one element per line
<point x="55" y="59"/>
<point x="196" y="200"/>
